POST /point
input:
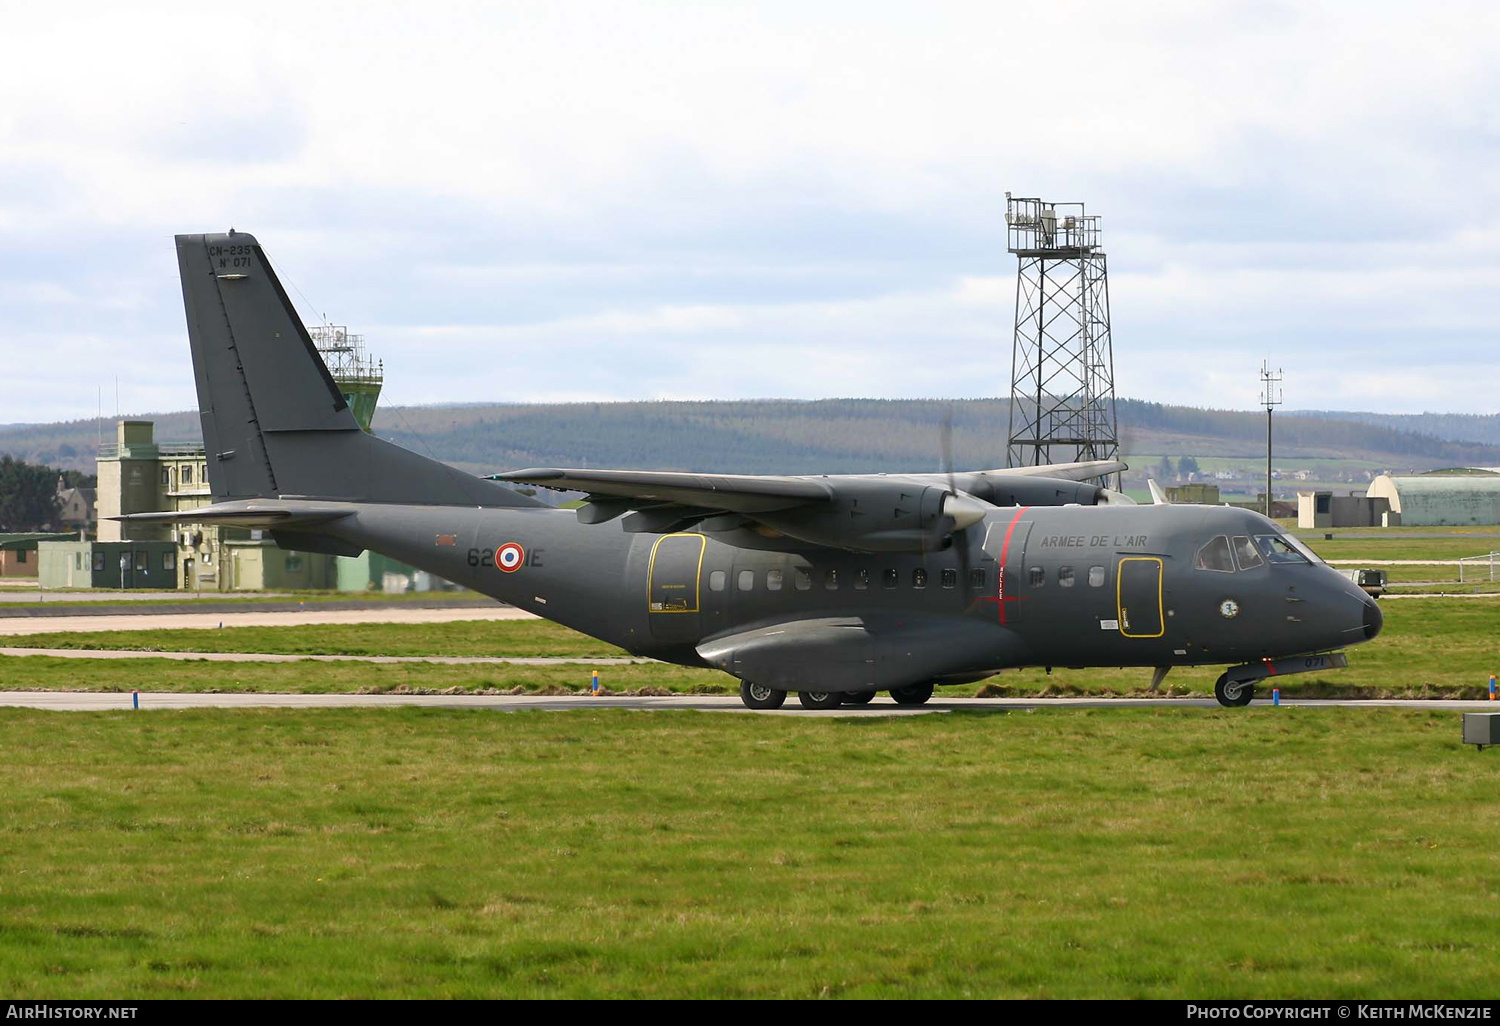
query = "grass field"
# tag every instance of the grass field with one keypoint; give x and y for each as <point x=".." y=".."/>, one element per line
<point x="459" y="638"/>
<point x="1429" y="648"/>
<point x="21" y="597"/>
<point x="1265" y="853"/>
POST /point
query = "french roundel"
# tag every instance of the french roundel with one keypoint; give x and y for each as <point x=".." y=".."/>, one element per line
<point x="509" y="557"/>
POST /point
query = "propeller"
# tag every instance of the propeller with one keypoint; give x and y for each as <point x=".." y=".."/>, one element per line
<point x="964" y="508"/>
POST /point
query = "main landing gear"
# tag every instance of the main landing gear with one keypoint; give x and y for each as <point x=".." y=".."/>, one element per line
<point x="759" y="696"/>
<point x="763" y="696"/>
<point x="916" y="694"/>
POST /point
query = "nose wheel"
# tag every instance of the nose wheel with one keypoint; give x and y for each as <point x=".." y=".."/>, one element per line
<point x="1233" y="693"/>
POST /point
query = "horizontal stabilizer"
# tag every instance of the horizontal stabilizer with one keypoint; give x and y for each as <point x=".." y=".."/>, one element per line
<point x="262" y="513"/>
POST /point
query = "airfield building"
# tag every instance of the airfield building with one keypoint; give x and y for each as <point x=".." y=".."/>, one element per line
<point x="138" y="474"/>
<point x="18" y="553"/>
<point x="1441" y="500"/>
<point x="1324" y="509"/>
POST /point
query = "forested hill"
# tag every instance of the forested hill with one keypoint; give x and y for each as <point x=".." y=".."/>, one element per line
<point x="786" y="436"/>
<point x="1453" y="427"/>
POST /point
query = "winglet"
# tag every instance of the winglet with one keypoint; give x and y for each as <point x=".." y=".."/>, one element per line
<point x="1158" y="497"/>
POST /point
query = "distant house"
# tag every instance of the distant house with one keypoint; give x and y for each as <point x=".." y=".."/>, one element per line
<point x="77" y="507"/>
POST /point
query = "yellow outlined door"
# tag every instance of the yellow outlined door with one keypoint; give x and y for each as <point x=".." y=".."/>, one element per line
<point x="674" y="582"/>
<point x="1138" y="596"/>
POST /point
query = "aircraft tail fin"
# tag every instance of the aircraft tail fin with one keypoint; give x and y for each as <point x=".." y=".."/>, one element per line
<point x="275" y="423"/>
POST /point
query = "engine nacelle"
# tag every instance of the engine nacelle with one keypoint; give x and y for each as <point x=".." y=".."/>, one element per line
<point x="1024" y="490"/>
<point x="881" y="515"/>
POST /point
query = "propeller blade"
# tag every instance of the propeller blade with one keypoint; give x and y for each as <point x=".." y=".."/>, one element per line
<point x="964" y="509"/>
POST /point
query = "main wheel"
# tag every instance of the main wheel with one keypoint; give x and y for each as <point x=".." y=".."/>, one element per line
<point x="1233" y="695"/>
<point x="820" y="699"/>
<point x="760" y="696"/>
<point x="916" y="694"/>
<point x="858" y="697"/>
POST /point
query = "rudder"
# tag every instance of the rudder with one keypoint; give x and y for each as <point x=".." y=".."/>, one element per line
<point x="275" y="424"/>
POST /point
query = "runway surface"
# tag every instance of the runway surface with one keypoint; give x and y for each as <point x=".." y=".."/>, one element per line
<point x="380" y="613"/>
<point x="74" y="701"/>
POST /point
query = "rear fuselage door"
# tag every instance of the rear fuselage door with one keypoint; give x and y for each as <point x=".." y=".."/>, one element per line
<point x="674" y="586"/>
<point x="1138" y="595"/>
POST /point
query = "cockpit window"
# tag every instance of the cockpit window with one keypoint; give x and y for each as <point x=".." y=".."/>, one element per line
<point x="1215" y="556"/>
<point x="1244" y="552"/>
<point x="1277" y="549"/>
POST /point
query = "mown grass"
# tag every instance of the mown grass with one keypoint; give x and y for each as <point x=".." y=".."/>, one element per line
<point x="458" y="638"/>
<point x="1397" y="547"/>
<point x="413" y="852"/>
<point x="314" y="677"/>
<point x="1430" y="648"/>
<point x="122" y="597"/>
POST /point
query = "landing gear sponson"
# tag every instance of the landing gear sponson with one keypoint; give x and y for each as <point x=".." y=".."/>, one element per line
<point x="1236" y="686"/>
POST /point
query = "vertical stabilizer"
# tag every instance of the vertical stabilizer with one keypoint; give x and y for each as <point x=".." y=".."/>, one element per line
<point x="274" y="422"/>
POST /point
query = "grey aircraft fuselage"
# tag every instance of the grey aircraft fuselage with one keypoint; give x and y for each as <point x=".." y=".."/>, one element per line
<point x="1081" y="586"/>
<point x="827" y="586"/>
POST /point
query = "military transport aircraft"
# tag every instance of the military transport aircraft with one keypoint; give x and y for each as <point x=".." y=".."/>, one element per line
<point x="832" y="587"/>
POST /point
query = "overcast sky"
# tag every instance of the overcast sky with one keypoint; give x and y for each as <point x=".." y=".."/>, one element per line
<point x="529" y="202"/>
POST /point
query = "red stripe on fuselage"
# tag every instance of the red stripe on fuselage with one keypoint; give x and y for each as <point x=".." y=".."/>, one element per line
<point x="1005" y="554"/>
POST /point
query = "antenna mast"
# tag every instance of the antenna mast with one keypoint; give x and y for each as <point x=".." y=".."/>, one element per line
<point x="1271" y="397"/>
<point x="1062" y="384"/>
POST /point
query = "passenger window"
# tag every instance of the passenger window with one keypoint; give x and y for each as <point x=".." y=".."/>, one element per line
<point x="803" y="580"/>
<point x="716" y="580"/>
<point x="976" y="578"/>
<point x="747" y="580"/>
<point x="1065" y="577"/>
<point x="1036" y="576"/>
<point x="861" y="580"/>
<point x="773" y="580"/>
<point x="891" y="578"/>
<point x="919" y="577"/>
<point x="1244" y="553"/>
<point x="1096" y="577"/>
<point x="950" y="578"/>
<point x="831" y="580"/>
<point x="1215" y="556"/>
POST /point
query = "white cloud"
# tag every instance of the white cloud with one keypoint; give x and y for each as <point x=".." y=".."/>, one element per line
<point x="770" y="199"/>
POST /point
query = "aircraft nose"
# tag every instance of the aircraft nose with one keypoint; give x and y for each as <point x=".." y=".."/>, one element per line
<point x="1374" y="618"/>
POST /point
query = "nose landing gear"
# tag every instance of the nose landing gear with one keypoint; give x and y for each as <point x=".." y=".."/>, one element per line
<point x="1237" y="686"/>
<point x="1233" y="693"/>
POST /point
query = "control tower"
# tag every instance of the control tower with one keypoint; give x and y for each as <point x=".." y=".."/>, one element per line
<point x="1062" y="382"/>
<point x="357" y="376"/>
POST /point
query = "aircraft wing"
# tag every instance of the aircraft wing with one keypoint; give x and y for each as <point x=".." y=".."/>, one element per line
<point x="1066" y="471"/>
<point x="855" y="512"/>
<point x="722" y="492"/>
